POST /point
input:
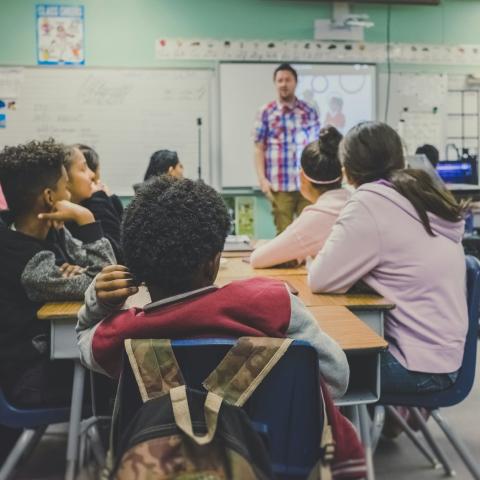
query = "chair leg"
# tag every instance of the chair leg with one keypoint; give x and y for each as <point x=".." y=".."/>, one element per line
<point x="432" y="443"/>
<point x="377" y="425"/>
<point x="365" y="435"/>
<point x="23" y="444"/>
<point x="459" y="446"/>
<point x="96" y="444"/>
<point x="411" y="435"/>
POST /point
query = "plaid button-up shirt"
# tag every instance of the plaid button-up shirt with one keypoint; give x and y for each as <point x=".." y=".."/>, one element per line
<point x="285" y="131"/>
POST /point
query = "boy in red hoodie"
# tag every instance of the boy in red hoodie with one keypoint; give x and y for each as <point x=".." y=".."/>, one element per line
<point x="173" y="235"/>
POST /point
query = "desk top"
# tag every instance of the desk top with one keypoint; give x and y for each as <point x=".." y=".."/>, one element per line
<point x="355" y="301"/>
<point x="59" y="310"/>
<point x="237" y="268"/>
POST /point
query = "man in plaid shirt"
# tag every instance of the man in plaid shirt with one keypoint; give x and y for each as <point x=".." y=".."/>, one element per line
<point x="283" y="129"/>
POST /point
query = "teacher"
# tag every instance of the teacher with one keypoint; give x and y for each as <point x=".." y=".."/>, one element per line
<point x="284" y="127"/>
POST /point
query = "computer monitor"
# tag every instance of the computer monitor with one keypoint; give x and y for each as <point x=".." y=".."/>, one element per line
<point x="459" y="171"/>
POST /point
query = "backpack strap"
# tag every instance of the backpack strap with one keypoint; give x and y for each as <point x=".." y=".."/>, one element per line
<point x="155" y="367"/>
<point x="323" y="468"/>
<point x="244" y="367"/>
<point x="181" y="412"/>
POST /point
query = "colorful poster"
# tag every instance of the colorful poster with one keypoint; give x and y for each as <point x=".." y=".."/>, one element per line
<point x="60" y="35"/>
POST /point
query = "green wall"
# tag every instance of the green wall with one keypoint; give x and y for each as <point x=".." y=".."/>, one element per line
<point x="123" y="32"/>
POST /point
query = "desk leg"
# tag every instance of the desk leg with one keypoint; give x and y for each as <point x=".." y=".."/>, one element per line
<point x="366" y="440"/>
<point x="75" y="419"/>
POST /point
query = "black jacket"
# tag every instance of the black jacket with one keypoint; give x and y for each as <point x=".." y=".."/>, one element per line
<point x="29" y="276"/>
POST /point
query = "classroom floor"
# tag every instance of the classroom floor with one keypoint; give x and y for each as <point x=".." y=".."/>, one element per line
<point x="394" y="460"/>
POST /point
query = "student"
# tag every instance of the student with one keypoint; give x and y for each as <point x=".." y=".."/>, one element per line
<point x="430" y="152"/>
<point x="41" y="262"/>
<point x="320" y="184"/>
<point x="93" y="163"/>
<point x="162" y="162"/>
<point x="85" y="192"/>
<point x="401" y="234"/>
<point x="173" y="236"/>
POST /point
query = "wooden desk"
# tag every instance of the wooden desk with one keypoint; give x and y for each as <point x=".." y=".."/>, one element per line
<point x="299" y="282"/>
<point x="350" y="333"/>
<point x="339" y="322"/>
<point x="59" y="311"/>
<point x="236" y="268"/>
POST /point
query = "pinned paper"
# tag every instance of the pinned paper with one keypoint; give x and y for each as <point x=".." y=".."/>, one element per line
<point x="60" y="35"/>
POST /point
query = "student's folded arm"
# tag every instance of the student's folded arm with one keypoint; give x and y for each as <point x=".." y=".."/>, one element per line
<point x="89" y="317"/>
<point x="92" y="250"/>
<point x="43" y="281"/>
<point x="333" y="363"/>
<point x="281" y="249"/>
<point x="351" y="251"/>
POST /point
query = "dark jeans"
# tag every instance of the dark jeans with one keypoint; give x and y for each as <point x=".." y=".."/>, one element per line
<point x="395" y="378"/>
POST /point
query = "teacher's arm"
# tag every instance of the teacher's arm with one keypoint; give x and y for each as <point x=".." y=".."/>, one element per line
<point x="264" y="183"/>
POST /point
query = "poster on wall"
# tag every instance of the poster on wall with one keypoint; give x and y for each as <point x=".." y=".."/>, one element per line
<point x="60" y="35"/>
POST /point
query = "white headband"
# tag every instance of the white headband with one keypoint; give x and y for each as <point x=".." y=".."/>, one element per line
<point x="322" y="182"/>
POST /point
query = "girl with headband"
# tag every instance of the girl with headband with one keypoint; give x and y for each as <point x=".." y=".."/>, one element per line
<point x="321" y="184"/>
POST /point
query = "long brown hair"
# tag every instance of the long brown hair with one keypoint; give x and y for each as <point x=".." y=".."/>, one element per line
<point x="373" y="150"/>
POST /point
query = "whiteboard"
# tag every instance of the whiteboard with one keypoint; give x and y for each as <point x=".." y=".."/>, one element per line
<point x="124" y="114"/>
<point x="417" y="108"/>
<point x="246" y="87"/>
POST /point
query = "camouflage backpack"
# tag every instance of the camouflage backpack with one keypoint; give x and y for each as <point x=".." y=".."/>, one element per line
<point x="186" y="434"/>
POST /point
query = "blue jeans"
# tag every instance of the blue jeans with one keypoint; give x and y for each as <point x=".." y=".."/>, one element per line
<point x="395" y="378"/>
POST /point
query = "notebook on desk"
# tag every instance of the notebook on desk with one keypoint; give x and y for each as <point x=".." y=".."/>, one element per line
<point x="238" y="243"/>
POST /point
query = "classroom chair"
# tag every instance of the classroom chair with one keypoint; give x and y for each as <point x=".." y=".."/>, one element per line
<point x="456" y="393"/>
<point x="285" y="408"/>
<point x="34" y="422"/>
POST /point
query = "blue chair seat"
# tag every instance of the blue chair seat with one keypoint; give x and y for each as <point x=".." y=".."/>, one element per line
<point x="33" y="422"/>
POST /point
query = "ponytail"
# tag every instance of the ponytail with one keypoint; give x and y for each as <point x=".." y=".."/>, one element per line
<point x="426" y="195"/>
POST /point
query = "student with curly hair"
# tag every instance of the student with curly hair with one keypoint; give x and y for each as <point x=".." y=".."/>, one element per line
<point x="173" y="235"/>
<point x="320" y="184"/>
<point x="41" y="262"/>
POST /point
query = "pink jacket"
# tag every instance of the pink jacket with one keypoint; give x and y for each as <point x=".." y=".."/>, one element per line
<point x="379" y="238"/>
<point x="306" y="235"/>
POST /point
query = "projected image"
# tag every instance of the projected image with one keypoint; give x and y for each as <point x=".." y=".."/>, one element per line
<point x="341" y="100"/>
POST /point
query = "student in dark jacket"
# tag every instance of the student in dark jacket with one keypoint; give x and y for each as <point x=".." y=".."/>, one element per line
<point x="85" y="192"/>
<point x="93" y="162"/>
<point x="41" y="262"/>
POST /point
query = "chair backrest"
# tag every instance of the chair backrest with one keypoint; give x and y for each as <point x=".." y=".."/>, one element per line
<point x="285" y="408"/>
<point x="13" y="417"/>
<point x="466" y="376"/>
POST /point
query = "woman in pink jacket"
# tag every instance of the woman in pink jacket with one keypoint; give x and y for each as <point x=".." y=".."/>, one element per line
<point x="401" y="234"/>
<point x="320" y="183"/>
